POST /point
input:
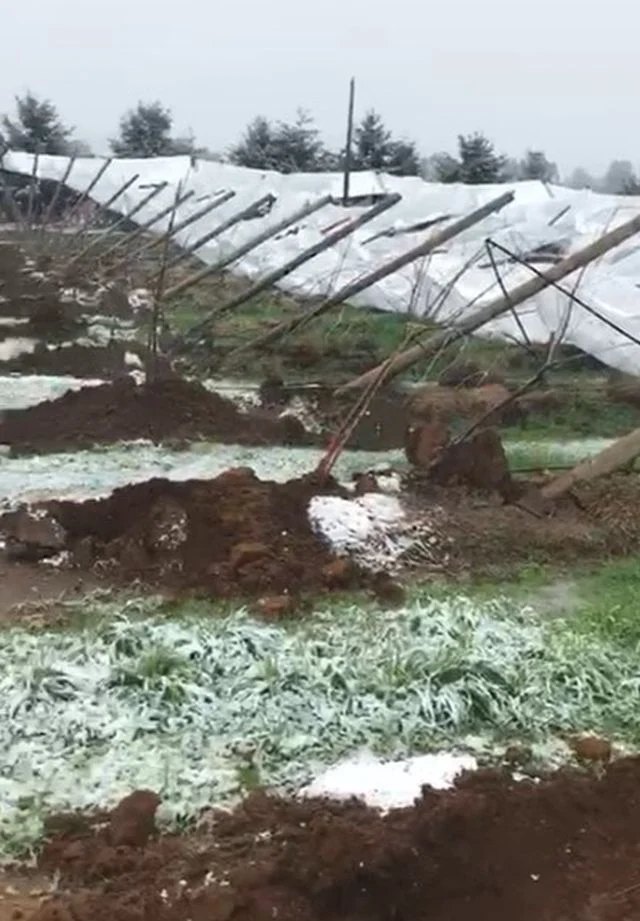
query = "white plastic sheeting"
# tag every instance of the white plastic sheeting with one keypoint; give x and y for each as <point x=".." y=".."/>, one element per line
<point x="539" y="215"/>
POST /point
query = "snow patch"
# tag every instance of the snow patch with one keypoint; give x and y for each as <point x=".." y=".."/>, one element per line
<point x="389" y="784"/>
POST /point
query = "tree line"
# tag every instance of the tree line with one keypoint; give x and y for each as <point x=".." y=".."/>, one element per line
<point x="297" y="146"/>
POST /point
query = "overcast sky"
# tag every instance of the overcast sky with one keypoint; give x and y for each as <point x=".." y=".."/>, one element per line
<point x="561" y="75"/>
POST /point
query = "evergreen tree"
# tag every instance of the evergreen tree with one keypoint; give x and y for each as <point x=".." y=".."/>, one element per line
<point x="293" y="147"/>
<point x="477" y="162"/>
<point x="371" y="143"/>
<point x="256" y="147"/>
<point x="374" y="148"/>
<point x="37" y="127"/>
<point x="297" y="146"/>
<point x="536" y="166"/>
<point x="146" y="132"/>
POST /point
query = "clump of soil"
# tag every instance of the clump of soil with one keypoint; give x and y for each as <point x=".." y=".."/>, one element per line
<point x="566" y="847"/>
<point x="168" y="408"/>
<point x="233" y="535"/>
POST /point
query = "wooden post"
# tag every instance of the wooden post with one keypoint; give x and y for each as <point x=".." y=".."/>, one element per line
<point x="347" y="149"/>
<point x="621" y="452"/>
<point x="227" y="224"/>
<point x="98" y="240"/>
<point x="499" y="305"/>
<point x="142" y="228"/>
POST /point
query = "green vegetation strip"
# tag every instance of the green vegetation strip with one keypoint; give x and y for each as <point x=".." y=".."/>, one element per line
<point x="199" y="708"/>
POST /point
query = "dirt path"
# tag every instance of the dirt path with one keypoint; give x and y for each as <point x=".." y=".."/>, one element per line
<point x="33" y="594"/>
<point x="21" y="894"/>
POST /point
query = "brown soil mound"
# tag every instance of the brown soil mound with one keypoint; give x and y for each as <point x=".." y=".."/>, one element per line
<point x="563" y="849"/>
<point x="74" y="360"/>
<point x="233" y="535"/>
<point x="120" y="411"/>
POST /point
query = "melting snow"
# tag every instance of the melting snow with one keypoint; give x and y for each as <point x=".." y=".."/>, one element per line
<point x="389" y="784"/>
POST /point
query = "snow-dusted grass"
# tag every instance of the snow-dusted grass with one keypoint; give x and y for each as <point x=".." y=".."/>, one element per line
<point x="83" y="474"/>
<point x="523" y="455"/>
<point x="195" y="707"/>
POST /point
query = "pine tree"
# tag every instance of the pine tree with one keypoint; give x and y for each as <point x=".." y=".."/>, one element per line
<point x="536" y="166"/>
<point x="374" y="148"/>
<point x="37" y="127"/>
<point x="256" y="147"/>
<point x="288" y="147"/>
<point x="477" y="162"/>
<point x="146" y="132"/>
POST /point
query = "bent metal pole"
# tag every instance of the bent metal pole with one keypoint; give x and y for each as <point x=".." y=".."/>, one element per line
<point x="361" y="284"/>
<point x="498" y="306"/>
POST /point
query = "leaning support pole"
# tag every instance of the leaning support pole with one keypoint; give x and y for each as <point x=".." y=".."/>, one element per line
<point x="273" y="277"/>
<point x="169" y="234"/>
<point x="89" y="189"/>
<point x="243" y="215"/>
<point x="102" y="209"/>
<point x="97" y="241"/>
<point x="251" y="244"/>
<point x="499" y="305"/>
<point x="361" y="284"/>
<point x="216" y="203"/>
<point x="617" y="455"/>
<point x="61" y="183"/>
<point x="147" y="225"/>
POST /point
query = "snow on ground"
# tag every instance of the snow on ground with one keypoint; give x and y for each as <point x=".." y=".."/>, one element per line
<point x="88" y="474"/>
<point x="190" y="707"/>
<point x="374" y="530"/>
<point x="17" y="391"/>
<point x="15" y="346"/>
<point x="389" y="784"/>
<point x="187" y="707"/>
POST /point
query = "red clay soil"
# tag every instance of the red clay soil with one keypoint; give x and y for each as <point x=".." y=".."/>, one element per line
<point x="166" y="409"/>
<point x="234" y="535"/>
<point x="564" y="849"/>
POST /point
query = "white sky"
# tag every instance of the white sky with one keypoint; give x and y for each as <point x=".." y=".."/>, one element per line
<point x="561" y="75"/>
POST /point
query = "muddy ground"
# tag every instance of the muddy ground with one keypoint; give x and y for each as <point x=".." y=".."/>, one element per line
<point x="231" y="536"/>
<point x="564" y="848"/>
<point x="170" y="409"/>
<point x="236" y="536"/>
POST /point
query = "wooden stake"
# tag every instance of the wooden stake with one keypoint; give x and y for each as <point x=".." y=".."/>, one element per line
<point x="347" y="149"/>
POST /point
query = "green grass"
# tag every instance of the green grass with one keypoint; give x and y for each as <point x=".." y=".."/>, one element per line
<point x="203" y="703"/>
<point x="347" y="341"/>
<point x="610" y="603"/>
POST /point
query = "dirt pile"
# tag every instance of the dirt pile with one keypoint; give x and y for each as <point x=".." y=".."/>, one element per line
<point x="563" y="849"/>
<point x="48" y="327"/>
<point x="158" y="411"/>
<point x="234" y="535"/>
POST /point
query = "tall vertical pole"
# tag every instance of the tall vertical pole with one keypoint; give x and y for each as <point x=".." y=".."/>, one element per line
<point x="347" y="149"/>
